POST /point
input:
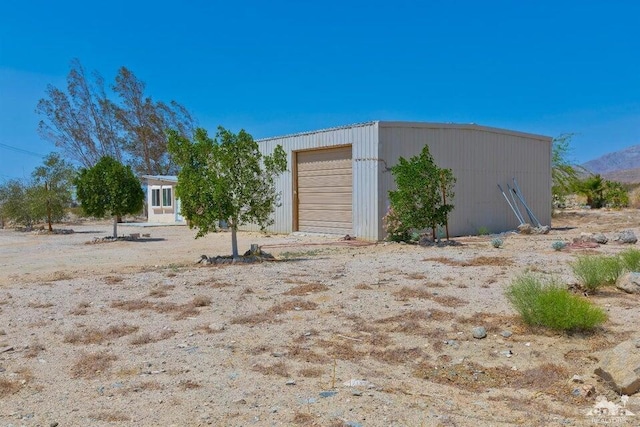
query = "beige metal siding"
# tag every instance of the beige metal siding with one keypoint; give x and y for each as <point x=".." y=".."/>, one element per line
<point x="363" y="139"/>
<point x="481" y="158"/>
<point x="324" y="190"/>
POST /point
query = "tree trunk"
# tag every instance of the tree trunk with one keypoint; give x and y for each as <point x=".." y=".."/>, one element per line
<point x="234" y="241"/>
<point x="46" y="193"/>
<point x="115" y="227"/>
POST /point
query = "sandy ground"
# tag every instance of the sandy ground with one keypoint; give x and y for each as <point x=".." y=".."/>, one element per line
<point x="331" y="334"/>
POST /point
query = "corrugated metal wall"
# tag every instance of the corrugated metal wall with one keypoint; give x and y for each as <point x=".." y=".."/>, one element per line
<point x="364" y="141"/>
<point x="480" y="159"/>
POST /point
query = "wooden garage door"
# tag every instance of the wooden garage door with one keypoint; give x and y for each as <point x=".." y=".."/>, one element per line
<point x="324" y="185"/>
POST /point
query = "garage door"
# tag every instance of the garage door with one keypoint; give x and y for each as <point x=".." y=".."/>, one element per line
<point x="324" y="186"/>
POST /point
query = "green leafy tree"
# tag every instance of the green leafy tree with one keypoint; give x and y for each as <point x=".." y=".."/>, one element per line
<point x="564" y="174"/>
<point x="592" y="187"/>
<point x="423" y="195"/>
<point x="16" y="203"/>
<point x="109" y="189"/>
<point x="51" y="191"/>
<point x="615" y="194"/>
<point x="226" y="179"/>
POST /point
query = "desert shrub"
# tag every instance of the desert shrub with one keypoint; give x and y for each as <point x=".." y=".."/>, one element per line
<point x="496" y="243"/>
<point x="483" y="231"/>
<point x="395" y="229"/>
<point x="630" y="259"/>
<point x="558" y="245"/>
<point x="595" y="271"/>
<point x="552" y="306"/>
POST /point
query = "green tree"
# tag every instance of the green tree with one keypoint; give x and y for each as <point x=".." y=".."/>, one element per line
<point x="226" y="179"/>
<point x="16" y="203"/>
<point x="109" y="189"/>
<point x="615" y="194"/>
<point x="52" y="188"/>
<point x="592" y="187"/>
<point x="423" y="195"/>
<point x="564" y="174"/>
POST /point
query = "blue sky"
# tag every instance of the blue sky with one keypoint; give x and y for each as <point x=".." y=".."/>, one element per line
<point x="277" y="67"/>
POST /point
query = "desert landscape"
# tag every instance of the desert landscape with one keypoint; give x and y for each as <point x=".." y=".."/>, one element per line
<point x="330" y="333"/>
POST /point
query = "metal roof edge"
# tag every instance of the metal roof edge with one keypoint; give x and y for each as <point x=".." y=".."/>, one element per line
<point x="311" y="132"/>
<point x="171" y="178"/>
<point x="470" y="126"/>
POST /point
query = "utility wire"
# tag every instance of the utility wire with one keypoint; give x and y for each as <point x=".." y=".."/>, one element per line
<point x="20" y="150"/>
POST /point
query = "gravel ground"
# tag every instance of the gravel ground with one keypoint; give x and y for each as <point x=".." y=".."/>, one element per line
<point x="332" y="333"/>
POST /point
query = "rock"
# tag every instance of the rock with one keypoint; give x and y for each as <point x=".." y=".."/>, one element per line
<point x="2" y="332"/>
<point x="290" y="382"/>
<point x="356" y="393"/>
<point x="506" y="333"/>
<point x="600" y="238"/>
<point x="626" y="236"/>
<point x="325" y="394"/>
<point x="525" y="228"/>
<point x="577" y="379"/>
<point x="629" y="282"/>
<point x="620" y="367"/>
<point x="5" y="349"/>
<point x="479" y="332"/>
<point x="358" y="383"/>
<point x="584" y="390"/>
<point x="53" y="424"/>
<point x="425" y="241"/>
<point x="507" y="353"/>
<point x="543" y="229"/>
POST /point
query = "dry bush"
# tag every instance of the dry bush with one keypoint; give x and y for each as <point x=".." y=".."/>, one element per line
<point x="147" y="385"/>
<point x="8" y="387"/>
<point x="416" y="276"/>
<point x="342" y="350"/>
<point x="279" y="368"/>
<point x="475" y="262"/>
<point x="112" y="280"/>
<point x="491" y="321"/>
<point x="98" y="336"/>
<point x="304" y="419"/>
<point x="90" y="365"/>
<point x="201" y="301"/>
<point x="259" y="349"/>
<point x="81" y="309"/>
<point x="206" y="328"/>
<point x="543" y="377"/>
<point x="306" y="289"/>
<point x="61" y="275"/>
<point x="186" y="312"/>
<point x="397" y="356"/>
<point x="214" y="284"/>
<point x="110" y="417"/>
<point x="419" y="315"/>
<point x="449" y="301"/>
<point x="34" y="349"/>
<point x="38" y="304"/>
<point x="311" y="372"/>
<point x="269" y="316"/>
<point x="296" y="304"/>
<point x="147" y="338"/>
<point x="247" y="291"/>
<point x="133" y="305"/>
<point x="407" y="292"/>
<point x="188" y="385"/>
<point x="160" y="291"/>
<point x="306" y="354"/>
<point x="363" y="286"/>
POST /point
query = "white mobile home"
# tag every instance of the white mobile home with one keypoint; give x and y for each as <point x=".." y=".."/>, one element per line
<point x="162" y="204"/>
<point x="338" y="179"/>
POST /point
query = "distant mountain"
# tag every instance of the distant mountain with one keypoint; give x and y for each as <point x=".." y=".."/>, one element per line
<point x="627" y="159"/>
<point x="630" y="176"/>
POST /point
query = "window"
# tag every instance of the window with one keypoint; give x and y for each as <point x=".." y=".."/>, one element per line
<point x="166" y="196"/>
<point x="155" y="197"/>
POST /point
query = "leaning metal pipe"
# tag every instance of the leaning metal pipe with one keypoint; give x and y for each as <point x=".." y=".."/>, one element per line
<point x="510" y="205"/>
<point x="515" y="203"/>
<point x="521" y="197"/>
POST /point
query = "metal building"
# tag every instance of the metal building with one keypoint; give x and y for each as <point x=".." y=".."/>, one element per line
<point x="338" y="179"/>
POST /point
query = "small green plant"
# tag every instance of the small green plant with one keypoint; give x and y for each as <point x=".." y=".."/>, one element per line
<point x="595" y="271"/>
<point x="483" y="231"/>
<point x="549" y="305"/>
<point x="630" y="259"/>
<point x="558" y="245"/>
<point x="496" y="243"/>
